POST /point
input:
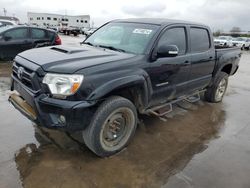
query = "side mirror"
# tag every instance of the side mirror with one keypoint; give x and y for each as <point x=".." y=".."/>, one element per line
<point x="167" y="51"/>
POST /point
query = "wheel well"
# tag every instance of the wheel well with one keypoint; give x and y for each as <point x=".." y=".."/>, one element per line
<point x="134" y="94"/>
<point x="227" y="69"/>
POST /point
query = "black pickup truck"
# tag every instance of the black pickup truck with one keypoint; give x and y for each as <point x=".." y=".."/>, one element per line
<point x="126" y="67"/>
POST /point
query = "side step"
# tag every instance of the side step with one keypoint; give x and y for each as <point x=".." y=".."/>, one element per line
<point x="194" y="98"/>
<point x="166" y="108"/>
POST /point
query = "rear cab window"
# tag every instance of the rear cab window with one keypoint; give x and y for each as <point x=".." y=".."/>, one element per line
<point x="200" y="39"/>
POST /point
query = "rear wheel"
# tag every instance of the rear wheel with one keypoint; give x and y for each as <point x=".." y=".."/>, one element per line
<point x="112" y="126"/>
<point x="216" y="92"/>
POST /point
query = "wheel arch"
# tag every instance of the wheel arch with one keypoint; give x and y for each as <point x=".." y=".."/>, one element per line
<point x="227" y="68"/>
<point x="134" y="88"/>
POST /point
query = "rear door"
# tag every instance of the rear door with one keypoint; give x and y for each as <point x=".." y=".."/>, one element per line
<point x="15" y="41"/>
<point x="203" y="58"/>
<point x="169" y="74"/>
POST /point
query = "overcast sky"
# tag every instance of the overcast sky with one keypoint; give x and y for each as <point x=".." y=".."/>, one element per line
<point x="219" y="14"/>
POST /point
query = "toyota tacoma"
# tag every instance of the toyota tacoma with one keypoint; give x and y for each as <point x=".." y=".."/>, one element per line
<point x="125" y="68"/>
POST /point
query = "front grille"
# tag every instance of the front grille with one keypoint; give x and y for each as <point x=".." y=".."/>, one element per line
<point x="26" y="76"/>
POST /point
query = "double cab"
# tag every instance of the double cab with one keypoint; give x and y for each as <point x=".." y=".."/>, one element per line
<point x="125" y="68"/>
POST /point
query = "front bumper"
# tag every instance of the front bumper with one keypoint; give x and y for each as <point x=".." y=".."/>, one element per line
<point x="48" y="112"/>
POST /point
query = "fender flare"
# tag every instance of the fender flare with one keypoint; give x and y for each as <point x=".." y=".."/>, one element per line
<point x="119" y="83"/>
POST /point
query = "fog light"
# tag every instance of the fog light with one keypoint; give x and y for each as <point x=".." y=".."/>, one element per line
<point x="62" y="119"/>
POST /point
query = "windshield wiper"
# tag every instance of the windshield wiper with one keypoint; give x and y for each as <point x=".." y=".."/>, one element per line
<point x="88" y="43"/>
<point x="112" y="48"/>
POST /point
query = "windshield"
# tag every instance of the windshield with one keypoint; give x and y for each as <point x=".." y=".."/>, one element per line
<point x="127" y="37"/>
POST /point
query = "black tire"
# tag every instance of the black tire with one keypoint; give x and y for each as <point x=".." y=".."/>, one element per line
<point x="211" y="92"/>
<point x="243" y="47"/>
<point x="103" y="120"/>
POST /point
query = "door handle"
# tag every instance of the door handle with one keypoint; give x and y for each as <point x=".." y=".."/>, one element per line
<point x="186" y="63"/>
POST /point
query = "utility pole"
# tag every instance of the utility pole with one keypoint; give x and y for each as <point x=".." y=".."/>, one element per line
<point x="4" y="11"/>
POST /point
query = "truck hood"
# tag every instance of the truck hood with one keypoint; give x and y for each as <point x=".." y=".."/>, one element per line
<point x="64" y="59"/>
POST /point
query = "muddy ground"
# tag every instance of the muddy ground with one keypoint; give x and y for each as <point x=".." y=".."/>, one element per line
<point x="201" y="145"/>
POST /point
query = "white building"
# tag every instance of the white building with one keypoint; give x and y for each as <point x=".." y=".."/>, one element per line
<point x="57" y="20"/>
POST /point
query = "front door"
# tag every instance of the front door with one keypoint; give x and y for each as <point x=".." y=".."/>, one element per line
<point x="15" y="41"/>
<point x="169" y="74"/>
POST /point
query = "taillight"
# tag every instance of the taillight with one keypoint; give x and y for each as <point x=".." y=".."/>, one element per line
<point x="58" y="40"/>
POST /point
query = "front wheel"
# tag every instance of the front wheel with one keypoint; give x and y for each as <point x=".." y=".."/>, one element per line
<point x="112" y="127"/>
<point x="216" y="92"/>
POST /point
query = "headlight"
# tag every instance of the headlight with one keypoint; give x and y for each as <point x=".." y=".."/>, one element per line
<point x="63" y="84"/>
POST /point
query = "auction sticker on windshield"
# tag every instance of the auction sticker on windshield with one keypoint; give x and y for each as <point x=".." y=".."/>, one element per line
<point x="142" y="31"/>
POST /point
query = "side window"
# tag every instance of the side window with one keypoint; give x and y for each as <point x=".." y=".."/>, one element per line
<point x="38" y="34"/>
<point x="200" y="40"/>
<point x="175" y="36"/>
<point x="51" y="35"/>
<point x="19" y="33"/>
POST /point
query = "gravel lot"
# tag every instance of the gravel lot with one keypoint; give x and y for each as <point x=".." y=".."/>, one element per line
<point x="201" y="145"/>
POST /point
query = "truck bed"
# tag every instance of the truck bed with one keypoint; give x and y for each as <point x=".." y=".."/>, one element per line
<point x="229" y="51"/>
<point x="229" y="54"/>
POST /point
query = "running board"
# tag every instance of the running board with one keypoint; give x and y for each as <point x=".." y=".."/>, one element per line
<point x="166" y="108"/>
<point x="195" y="98"/>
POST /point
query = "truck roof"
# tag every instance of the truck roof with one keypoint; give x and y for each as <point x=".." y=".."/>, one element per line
<point x="157" y="21"/>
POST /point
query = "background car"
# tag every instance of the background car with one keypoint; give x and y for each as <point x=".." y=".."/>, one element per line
<point x="6" y="22"/>
<point x="248" y="42"/>
<point x="90" y="32"/>
<point x="83" y="30"/>
<point x="225" y="41"/>
<point x="241" y="42"/>
<point x="15" y="39"/>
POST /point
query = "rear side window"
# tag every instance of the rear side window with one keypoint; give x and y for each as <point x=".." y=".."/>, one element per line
<point x="51" y="35"/>
<point x="175" y="36"/>
<point x="38" y="33"/>
<point x="19" y="33"/>
<point x="200" y="40"/>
